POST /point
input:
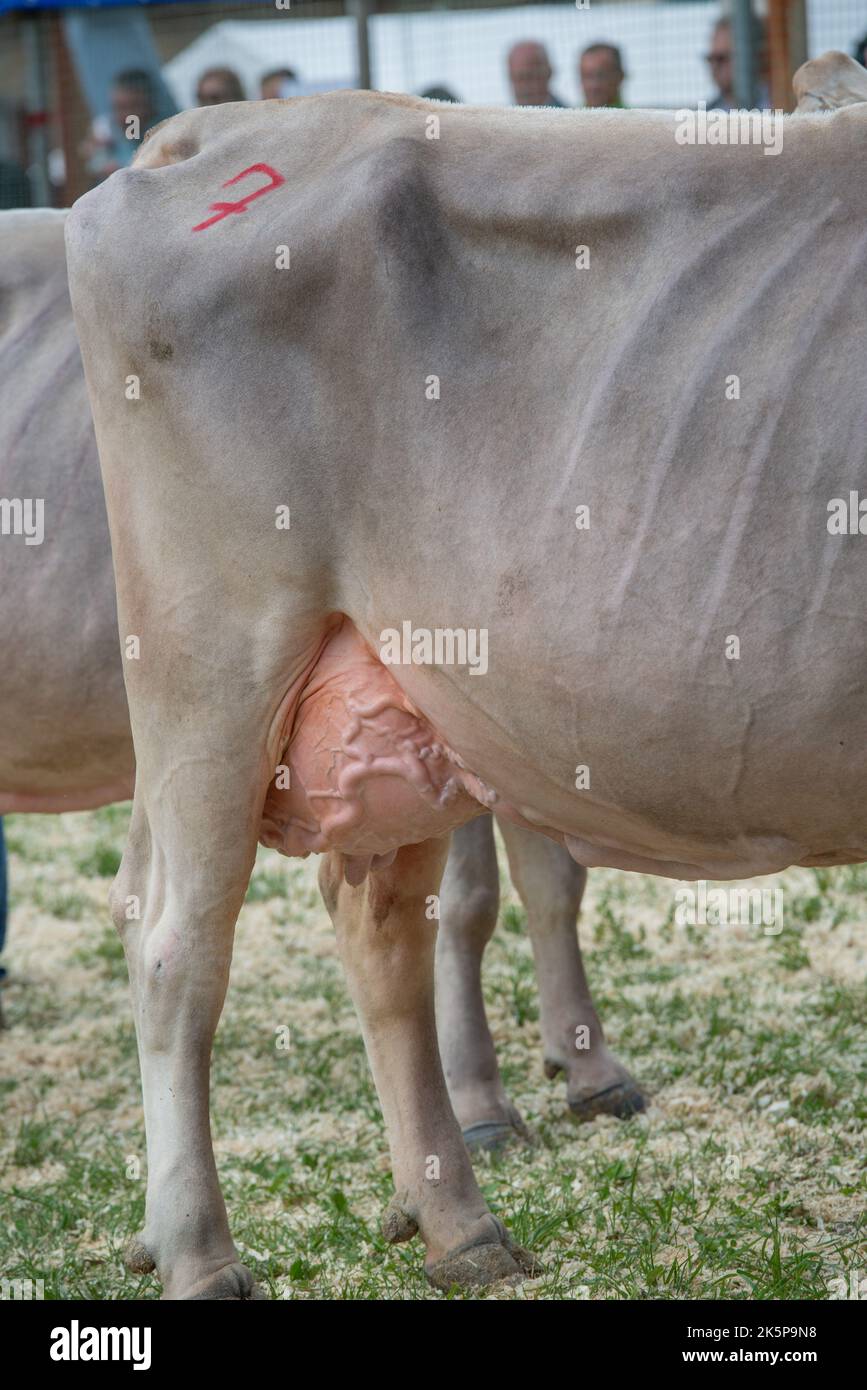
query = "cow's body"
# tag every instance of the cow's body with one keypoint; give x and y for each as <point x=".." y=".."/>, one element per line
<point x="605" y="387"/>
<point x="609" y="647"/>
<point x="65" y="743"/>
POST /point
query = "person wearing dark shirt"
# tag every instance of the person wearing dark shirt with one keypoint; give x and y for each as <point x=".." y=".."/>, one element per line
<point x="720" y="60"/>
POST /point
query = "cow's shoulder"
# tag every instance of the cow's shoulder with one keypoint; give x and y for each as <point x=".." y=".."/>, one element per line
<point x="340" y="178"/>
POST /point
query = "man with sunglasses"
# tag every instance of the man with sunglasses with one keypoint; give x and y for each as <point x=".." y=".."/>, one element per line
<point x="720" y="60"/>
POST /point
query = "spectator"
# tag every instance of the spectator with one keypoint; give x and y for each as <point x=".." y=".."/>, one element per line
<point x="859" y="52"/>
<point x="271" y="84"/>
<point x="438" y="94"/>
<point x="114" y="138"/>
<point x="15" y="189"/>
<point x="720" y="60"/>
<point x="600" y="69"/>
<point x="530" y="73"/>
<point x="218" y="85"/>
<point x="132" y="94"/>
<point x="3" y="906"/>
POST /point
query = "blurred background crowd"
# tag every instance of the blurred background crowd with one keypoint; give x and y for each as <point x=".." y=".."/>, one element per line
<point x="81" y="81"/>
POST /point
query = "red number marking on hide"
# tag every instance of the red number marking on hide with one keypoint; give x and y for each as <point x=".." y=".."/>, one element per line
<point x="223" y="209"/>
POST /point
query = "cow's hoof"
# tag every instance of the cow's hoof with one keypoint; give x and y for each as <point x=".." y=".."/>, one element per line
<point x="614" y="1093"/>
<point x="233" y="1283"/>
<point x="478" y="1266"/>
<point x="472" y="1266"/>
<point x="491" y="1136"/>
<point x="622" y="1100"/>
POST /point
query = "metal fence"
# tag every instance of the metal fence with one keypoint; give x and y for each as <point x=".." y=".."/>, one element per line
<point x="72" y="73"/>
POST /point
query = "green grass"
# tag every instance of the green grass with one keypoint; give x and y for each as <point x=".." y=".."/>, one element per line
<point x="102" y="861"/>
<point x="745" y="1180"/>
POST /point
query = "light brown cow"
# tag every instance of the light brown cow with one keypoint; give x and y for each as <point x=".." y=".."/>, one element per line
<point x="65" y="742"/>
<point x="317" y="306"/>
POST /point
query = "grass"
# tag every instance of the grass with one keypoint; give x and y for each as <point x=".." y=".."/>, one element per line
<point x="745" y="1180"/>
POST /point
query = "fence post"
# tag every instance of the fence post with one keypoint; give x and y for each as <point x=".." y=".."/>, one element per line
<point x="37" y="109"/>
<point x="361" y="10"/>
<point x="787" y="46"/>
<point x="743" y="39"/>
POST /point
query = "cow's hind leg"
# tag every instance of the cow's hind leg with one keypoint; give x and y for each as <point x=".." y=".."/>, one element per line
<point x="181" y="883"/>
<point x="551" y="885"/>
<point x="469" y="901"/>
<point x="387" y="943"/>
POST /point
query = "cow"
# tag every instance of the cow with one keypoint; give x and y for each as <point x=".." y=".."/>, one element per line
<point x="595" y="1083"/>
<point x="65" y="742"/>
<point x="366" y="372"/>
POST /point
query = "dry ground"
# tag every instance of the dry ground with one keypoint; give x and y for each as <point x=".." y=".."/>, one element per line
<point x="746" y="1179"/>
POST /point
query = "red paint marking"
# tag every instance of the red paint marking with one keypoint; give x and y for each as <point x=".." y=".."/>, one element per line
<point x="223" y="209"/>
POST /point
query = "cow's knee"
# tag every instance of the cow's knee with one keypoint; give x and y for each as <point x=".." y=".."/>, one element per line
<point x="118" y="907"/>
<point x="470" y="892"/>
<point x="126" y="898"/>
<point x="468" y="921"/>
<point x="560" y="893"/>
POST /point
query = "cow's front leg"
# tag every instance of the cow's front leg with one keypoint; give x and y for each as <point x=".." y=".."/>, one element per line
<point x="551" y="885"/>
<point x="469" y="902"/>
<point x="387" y="943"/>
<point x="181" y="883"/>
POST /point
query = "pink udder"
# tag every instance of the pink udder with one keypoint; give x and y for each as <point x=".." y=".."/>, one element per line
<point x="367" y="773"/>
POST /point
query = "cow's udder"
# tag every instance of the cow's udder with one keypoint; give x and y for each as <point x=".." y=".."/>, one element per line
<point x="366" y="772"/>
